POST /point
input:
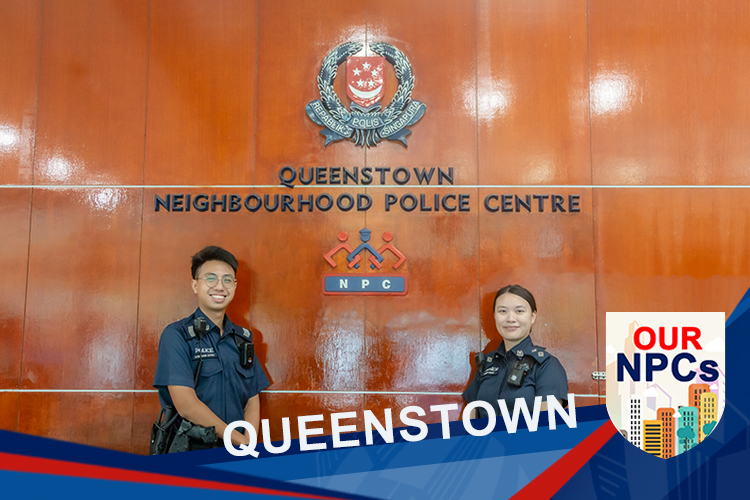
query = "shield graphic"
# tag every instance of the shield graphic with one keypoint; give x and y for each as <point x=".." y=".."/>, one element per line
<point x="365" y="81"/>
<point x="665" y="378"/>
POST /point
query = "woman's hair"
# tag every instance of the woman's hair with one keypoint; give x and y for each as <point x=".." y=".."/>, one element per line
<point x="516" y="290"/>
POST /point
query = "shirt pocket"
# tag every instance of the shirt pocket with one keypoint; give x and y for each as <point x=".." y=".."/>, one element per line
<point x="246" y="373"/>
<point x="210" y="368"/>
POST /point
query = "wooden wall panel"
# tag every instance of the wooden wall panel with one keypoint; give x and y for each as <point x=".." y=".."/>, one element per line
<point x="670" y="250"/>
<point x="668" y="89"/>
<point x="314" y="341"/>
<point x="15" y="212"/>
<point x="9" y="411"/>
<point x="80" y="325"/>
<point x="438" y="37"/>
<point x="201" y="98"/>
<point x="421" y="341"/>
<point x="293" y="39"/>
<point x="20" y="22"/>
<point x="96" y="419"/>
<point x="92" y="92"/>
<point x="146" y="408"/>
<point x="533" y="105"/>
<point x="552" y="255"/>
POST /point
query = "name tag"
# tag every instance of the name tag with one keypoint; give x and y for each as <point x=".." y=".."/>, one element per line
<point x="492" y="370"/>
<point x="203" y="353"/>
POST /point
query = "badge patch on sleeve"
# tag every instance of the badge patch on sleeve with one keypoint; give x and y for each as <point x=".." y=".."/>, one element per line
<point x="665" y="378"/>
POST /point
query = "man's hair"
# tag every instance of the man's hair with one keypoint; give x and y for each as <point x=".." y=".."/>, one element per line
<point x="212" y="253"/>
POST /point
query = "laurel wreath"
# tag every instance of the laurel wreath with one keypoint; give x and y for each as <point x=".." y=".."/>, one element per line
<point x="333" y="104"/>
<point x="328" y="71"/>
<point x="404" y="75"/>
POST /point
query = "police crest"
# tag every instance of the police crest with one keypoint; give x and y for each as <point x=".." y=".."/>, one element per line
<point x="364" y="123"/>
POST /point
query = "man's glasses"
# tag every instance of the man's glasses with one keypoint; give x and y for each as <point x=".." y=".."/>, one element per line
<point x="212" y="280"/>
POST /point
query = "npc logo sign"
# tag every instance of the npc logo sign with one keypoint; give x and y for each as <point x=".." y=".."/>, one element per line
<point x="364" y="257"/>
<point x="665" y="378"/>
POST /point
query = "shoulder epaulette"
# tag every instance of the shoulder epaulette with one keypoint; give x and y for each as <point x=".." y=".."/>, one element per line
<point x="187" y="330"/>
<point x="539" y="353"/>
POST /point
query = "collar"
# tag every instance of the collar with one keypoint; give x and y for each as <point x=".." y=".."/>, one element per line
<point x="228" y="325"/>
<point x="519" y="350"/>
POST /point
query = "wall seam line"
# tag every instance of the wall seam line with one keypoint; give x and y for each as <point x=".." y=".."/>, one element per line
<point x="140" y="243"/>
<point x="31" y="210"/>
<point x="593" y="207"/>
<point x="479" y="215"/>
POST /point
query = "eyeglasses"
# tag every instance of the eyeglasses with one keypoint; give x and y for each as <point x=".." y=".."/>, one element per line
<point x="212" y="280"/>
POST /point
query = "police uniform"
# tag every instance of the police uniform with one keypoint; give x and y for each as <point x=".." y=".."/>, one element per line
<point x="546" y="377"/>
<point x="224" y="385"/>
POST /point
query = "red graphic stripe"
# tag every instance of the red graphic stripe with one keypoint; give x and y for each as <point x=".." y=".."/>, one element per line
<point x="35" y="465"/>
<point x="549" y="482"/>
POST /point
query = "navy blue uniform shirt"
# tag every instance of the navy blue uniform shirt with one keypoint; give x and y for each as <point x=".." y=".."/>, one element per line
<point x="545" y="378"/>
<point x="224" y="385"/>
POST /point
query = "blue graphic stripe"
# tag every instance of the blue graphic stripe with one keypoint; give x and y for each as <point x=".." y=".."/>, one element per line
<point x="407" y="455"/>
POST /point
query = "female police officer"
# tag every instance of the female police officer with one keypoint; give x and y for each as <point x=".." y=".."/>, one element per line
<point x="518" y="368"/>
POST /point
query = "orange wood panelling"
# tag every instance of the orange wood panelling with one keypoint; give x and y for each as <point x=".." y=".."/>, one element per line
<point x="533" y="92"/>
<point x="92" y="92"/>
<point x="19" y="29"/>
<point x="438" y="37"/>
<point x="670" y="250"/>
<point x="669" y="92"/>
<point x="201" y="92"/>
<point x="551" y="254"/>
<point x="293" y="39"/>
<point x="9" y="411"/>
<point x="421" y="341"/>
<point x="96" y="419"/>
<point x="314" y="341"/>
<point x="80" y="325"/>
<point x="145" y="411"/>
<point x="15" y="208"/>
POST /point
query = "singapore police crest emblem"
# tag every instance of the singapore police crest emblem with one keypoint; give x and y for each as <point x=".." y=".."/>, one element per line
<point x="364" y="123"/>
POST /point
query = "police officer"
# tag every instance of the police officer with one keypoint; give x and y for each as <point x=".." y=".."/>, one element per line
<point x="227" y="386"/>
<point x="518" y="368"/>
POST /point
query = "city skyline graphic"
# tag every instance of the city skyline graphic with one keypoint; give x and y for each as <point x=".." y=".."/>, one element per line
<point x="665" y="378"/>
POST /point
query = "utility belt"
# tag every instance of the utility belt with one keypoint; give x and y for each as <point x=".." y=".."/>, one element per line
<point x="169" y="437"/>
<point x="166" y="437"/>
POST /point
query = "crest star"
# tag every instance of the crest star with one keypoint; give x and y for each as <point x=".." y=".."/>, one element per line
<point x="356" y="72"/>
<point x="366" y="66"/>
<point x="370" y="84"/>
<point x="361" y="83"/>
<point x="374" y="73"/>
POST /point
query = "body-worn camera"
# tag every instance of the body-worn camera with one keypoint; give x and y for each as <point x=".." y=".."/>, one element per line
<point x="247" y="351"/>
<point x="520" y="369"/>
<point x="200" y="326"/>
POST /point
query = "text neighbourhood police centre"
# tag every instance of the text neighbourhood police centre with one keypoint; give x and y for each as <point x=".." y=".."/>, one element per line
<point x="385" y="177"/>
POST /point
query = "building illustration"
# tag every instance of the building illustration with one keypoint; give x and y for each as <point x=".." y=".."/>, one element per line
<point x="636" y="403"/>
<point x="652" y="437"/>
<point x="687" y="434"/>
<point x="666" y="416"/>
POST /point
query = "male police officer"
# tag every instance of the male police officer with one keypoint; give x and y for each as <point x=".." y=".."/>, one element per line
<point x="202" y="374"/>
